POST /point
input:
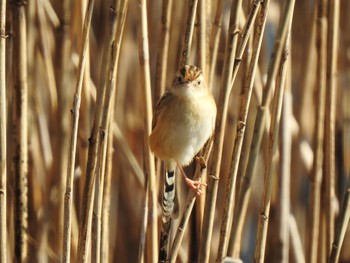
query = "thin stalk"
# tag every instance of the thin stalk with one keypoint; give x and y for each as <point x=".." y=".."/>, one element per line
<point x="191" y="198"/>
<point x="214" y="172"/>
<point x="20" y="132"/>
<point x="261" y="116"/>
<point x="331" y="93"/>
<point x="189" y="32"/>
<point x="163" y="47"/>
<point x="214" y="41"/>
<point x="342" y="226"/>
<point x="64" y="71"/>
<point x="106" y="202"/>
<point x="284" y="180"/>
<point x="202" y="38"/>
<point x="115" y="22"/>
<point x="107" y="122"/>
<point x="73" y="139"/>
<point x="240" y="132"/>
<point x="263" y="221"/>
<point x="99" y="128"/>
<point x="147" y="109"/>
<point x="316" y="177"/>
<point x="3" y="135"/>
<point x="142" y="245"/>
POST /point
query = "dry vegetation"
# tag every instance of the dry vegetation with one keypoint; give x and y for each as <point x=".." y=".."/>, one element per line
<point x="78" y="81"/>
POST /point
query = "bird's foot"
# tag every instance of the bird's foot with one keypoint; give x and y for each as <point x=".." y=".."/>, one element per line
<point x="195" y="185"/>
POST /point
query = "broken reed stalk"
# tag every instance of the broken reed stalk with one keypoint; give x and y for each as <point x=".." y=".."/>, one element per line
<point x="20" y="131"/>
<point x="147" y="109"/>
<point x="163" y="49"/>
<point x="260" y="118"/>
<point x="186" y="47"/>
<point x="214" y="172"/>
<point x="214" y="42"/>
<point x="98" y="132"/>
<point x="73" y="139"/>
<point x="3" y="135"/>
<point x="241" y="125"/>
<point x="330" y="116"/>
<point x="317" y="174"/>
<point x="191" y="198"/>
<point x="272" y="158"/>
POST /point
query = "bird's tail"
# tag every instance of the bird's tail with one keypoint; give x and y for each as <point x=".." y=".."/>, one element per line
<point x="168" y="203"/>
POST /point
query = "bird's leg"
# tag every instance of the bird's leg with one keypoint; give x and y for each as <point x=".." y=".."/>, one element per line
<point x="193" y="185"/>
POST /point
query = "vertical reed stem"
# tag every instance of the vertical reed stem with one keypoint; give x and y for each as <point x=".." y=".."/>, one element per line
<point x="147" y="109"/>
<point x="330" y="115"/>
<point x="316" y="177"/>
<point x="3" y="135"/>
<point x="20" y="131"/>
<point x="73" y="139"/>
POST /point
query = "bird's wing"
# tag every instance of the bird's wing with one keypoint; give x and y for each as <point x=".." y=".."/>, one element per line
<point x="164" y="100"/>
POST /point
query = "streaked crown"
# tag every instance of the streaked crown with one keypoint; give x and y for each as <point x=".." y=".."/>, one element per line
<point x="187" y="73"/>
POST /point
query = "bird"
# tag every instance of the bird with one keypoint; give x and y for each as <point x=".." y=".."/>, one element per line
<point x="183" y="120"/>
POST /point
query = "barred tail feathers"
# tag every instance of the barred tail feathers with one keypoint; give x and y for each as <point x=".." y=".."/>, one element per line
<point x="168" y="203"/>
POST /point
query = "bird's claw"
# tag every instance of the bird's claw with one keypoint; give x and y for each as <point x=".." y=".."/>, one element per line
<point x="195" y="185"/>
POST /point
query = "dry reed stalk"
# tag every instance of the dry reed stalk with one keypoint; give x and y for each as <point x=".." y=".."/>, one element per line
<point x="330" y="116"/>
<point x="202" y="38"/>
<point x="214" y="41"/>
<point x="283" y="190"/>
<point x="3" y="135"/>
<point x="186" y="47"/>
<point x="237" y="222"/>
<point x="260" y="118"/>
<point x="163" y="47"/>
<point x="344" y="215"/>
<point x="317" y="174"/>
<point x="200" y="170"/>
<point x="73" y="139"/>
<point x="142" y="245"/>
<point x="106" y="202"/>
<point x="214" y="172"/>
<point x="147" y="109"/>
<point x="63" y="72"/>
<point x="272" y="158"/>
<point x="104" y="199"/>
<point x="98" y="132"/>
<point x="117" y="22"/>
<point x="240" y="131"/>
<point x="20" y="131"/>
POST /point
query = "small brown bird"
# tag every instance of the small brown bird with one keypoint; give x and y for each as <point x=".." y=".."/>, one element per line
<point x="183" y="121"/>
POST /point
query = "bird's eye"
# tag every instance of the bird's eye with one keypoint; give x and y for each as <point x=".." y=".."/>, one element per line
<point x="179" y="79"/>
<point x="199" y="82"/>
